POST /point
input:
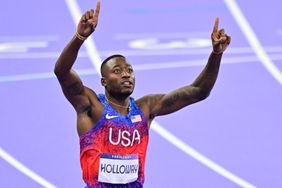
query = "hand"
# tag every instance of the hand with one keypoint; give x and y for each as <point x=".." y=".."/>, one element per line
<point x="220" y="40"/>
<point x="88" y="21"/>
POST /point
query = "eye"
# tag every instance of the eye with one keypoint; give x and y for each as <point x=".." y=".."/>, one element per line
<point x="130" y="70"/>
<point x="117" y="71"/>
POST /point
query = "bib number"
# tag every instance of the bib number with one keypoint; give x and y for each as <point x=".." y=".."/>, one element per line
<point x="118" y="169"/>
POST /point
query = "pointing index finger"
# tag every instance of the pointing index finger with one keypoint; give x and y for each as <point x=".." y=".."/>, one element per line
<point x="215" y="27"/>
<point x="97" y="10"/>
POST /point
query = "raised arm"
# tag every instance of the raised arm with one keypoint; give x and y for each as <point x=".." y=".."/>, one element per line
<point x="69" y="80"/>
<point x="162" y="104"/>
<point x="206" y="80"/>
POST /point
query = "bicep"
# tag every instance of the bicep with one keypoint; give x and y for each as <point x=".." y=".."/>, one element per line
<point x="74" y="90"/>
<point x="163" y="104"/>
<point x="70" y="81"/>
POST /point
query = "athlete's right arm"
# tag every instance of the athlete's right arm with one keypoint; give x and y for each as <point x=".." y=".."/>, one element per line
<point x="71" y="84"/>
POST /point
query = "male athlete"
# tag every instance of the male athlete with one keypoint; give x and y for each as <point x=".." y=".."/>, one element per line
<point x="113" y="127"/>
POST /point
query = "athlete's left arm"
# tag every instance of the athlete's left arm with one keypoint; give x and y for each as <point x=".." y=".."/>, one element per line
<point x="162" y="104"/>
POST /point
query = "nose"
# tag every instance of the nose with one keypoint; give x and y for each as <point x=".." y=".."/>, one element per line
<point x="125" y="74"/>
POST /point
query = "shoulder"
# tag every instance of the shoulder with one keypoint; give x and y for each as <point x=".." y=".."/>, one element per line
<point x="149" y="103"/>
<point x="149" y="100"/>
<point x="91" y="94"/>
<point x="143" y="101"/>
<point x="91" y="101"/>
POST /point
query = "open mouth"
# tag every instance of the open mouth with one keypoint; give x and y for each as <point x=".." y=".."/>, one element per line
<point x="126" y="83"/>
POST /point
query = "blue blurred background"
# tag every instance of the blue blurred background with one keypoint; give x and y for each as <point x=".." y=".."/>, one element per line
<point x="232" y="139"/>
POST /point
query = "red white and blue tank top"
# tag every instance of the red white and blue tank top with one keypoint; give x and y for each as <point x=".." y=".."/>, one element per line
<point x="113" y="152"/>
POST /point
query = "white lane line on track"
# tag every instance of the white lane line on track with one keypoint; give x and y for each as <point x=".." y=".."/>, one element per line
<point x="253" y="40"/>
<point x="18" y="38"/>
<point x="76" y="13"/>
<point x="202" y="51"/>
<point x="138" y="67"/>
<point x="19" y="166"/>
<point x="198" y="156"/>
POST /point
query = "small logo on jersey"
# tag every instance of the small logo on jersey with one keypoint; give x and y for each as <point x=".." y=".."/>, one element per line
<point x="110" y="117"/>
<point x="136" y="118"/>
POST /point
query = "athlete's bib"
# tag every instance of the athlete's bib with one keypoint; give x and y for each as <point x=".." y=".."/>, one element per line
<point x="118" y="169"/>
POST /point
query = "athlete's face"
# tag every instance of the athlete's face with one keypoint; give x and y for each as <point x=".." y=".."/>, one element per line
<point x="118" y="77"/>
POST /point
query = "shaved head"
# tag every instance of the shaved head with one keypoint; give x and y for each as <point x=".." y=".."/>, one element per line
<point x="108" y="59"/>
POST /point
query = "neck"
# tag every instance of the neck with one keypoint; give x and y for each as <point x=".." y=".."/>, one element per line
<point x="119" y="102"/>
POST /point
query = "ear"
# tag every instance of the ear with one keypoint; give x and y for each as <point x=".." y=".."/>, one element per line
<point x="103" y="81"/>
